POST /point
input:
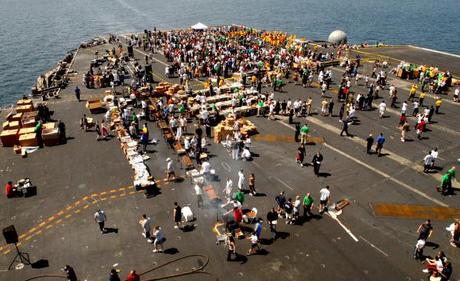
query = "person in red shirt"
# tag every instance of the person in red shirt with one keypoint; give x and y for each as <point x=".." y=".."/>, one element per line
<point x="133" y="276"/>
<point x="237" y="214"/>
<point x="9" y="189"/>
<point x="420" y="128"/>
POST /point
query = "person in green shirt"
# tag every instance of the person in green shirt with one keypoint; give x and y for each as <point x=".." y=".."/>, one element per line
<point x="304" y="133"/>
<point x="239" y="196"/>
<point x="307" y="205"/>
<point x="38" y="132"/>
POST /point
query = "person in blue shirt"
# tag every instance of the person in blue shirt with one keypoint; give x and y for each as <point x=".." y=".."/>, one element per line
<point x="380" y="141"/>
<point x="258" y="227"/>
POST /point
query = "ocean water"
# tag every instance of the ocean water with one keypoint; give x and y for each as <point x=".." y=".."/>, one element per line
<point x="35" y="34"/>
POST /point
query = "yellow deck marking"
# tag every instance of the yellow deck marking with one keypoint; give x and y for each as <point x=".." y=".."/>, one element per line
<point x="113" y="191"/>
<point x="122" y="194"/>
<point x="122" y="188"/>
<point x="132" y="192"/>
<point x="77" y="211"/>
<point x="68" y="216"/>
<point x="415" y="211"/>
<point x="58" y="221"/>
<point x="103" y="199"/>
<point x="51" y="218"/>
<point x="113" y="197"/>
<point x="42" y="224"/>
<point x="103" y="193"/>
<point x="86" y="207"/>
<point x="60" y="213"/>
<point x="49" y="226"/>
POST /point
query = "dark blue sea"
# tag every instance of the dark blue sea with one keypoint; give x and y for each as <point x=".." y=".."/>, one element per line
<point x="35" y="34"/>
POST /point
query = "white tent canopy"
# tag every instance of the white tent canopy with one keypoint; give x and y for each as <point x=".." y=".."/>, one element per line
<point x="199" y="26"/>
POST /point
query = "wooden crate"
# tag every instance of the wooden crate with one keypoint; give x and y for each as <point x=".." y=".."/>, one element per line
<point x="28" y="140"/>
<point x="9" y="137"/>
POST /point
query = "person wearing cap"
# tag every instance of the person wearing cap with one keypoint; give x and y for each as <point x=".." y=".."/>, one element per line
<point x="70" y="273"/>
<point x="170" y="175"/>
<point x="114" y="275"/>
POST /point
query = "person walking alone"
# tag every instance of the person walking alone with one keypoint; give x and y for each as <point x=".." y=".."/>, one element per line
<point x="316" y="162"/>
<point x="324" y="196"/>
<point x="100" y="218"/>
<point x="77" y="93"/>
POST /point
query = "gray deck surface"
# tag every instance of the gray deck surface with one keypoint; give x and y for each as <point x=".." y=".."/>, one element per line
<point x="320" y="249"/>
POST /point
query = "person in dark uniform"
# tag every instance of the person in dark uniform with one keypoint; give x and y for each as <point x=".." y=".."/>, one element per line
<point x="114" y="275"/>
<point x="62" y="136"/>
<point x="177" y="215"/>
<point x="70" y="273"/>
<point x="77" y="93"/>
<point x="316" y="162"/>
<point x="370" y="143"/>
<point x="297" y="132"/>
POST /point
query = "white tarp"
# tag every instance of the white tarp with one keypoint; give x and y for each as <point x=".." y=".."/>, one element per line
<point x="199" y="26"/>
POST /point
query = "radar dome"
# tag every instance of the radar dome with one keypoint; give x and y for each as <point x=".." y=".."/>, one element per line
<point x="337" y="37"/>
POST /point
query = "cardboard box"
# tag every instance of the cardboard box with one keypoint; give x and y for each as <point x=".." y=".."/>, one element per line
<point x="15" y="117"/>
<point x="24" y="102"/>
<point x="50" y="137"/>
<point x="24" y="108"/>
<point x="49" y="125"/>
<point x="28" y="122"/>
<point x="9" y="137"/>
<point x="14" y="125"/>
<point x="28" y="140"/>
<point x="24" y="131"/>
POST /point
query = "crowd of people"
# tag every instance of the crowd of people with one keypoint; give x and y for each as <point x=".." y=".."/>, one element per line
<point x="262" y="60"/>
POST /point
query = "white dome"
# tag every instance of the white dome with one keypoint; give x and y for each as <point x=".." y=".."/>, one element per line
<point x="337" y="37"/>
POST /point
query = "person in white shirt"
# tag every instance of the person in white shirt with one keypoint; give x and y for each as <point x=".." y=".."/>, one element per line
<point x="146" y="224"/>
<point x="228" y="189"/>
<point x="100" y="218"/>
<point x="427" y="162"/>
<point x="254" y="244"/>
<point x="240" y="179"/>
<point x="382" y="108"/>
<point x="246" y="154"/>
<point x="456" y="94"/>
<point x="205" y="168"/>
<point x="199" y="195"/>
<point x="324" y="195"/>
<point x="404" y="107"/>
<point x="434" y="153"/>
<point x="170" y="175"/>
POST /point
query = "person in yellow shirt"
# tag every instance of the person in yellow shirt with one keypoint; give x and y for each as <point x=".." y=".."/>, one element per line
<point x="437" y="105"/>
<point x="421" y="97"/>
<point x="412" y="92"/>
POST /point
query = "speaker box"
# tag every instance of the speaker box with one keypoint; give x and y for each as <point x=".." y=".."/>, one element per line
<point x="10" y="234"/>
<point x="130" y="51"/>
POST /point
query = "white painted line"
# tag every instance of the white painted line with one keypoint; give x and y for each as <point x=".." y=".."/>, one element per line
<point x="348" y="231"/>
<point x="393" y="156"/>
<point x="435" y="51"/>
<point x="226" y="166"/>
<point x="385" y="175"/>
<point x="373" y="246"/>
<point x="284" y="183"/>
